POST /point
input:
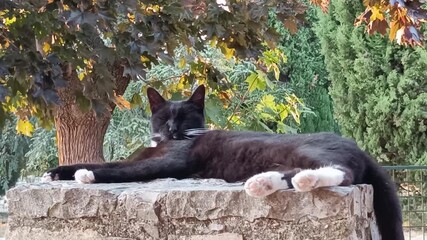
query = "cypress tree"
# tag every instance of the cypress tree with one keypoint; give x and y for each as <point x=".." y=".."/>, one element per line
<point x="307" y="76"/>
<point x="379" y="89"/>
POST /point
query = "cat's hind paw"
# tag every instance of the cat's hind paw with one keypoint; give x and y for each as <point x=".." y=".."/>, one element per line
<point x="84" y="176"/>
<point x="264" y="184"/>
<point x="305" y="180"/>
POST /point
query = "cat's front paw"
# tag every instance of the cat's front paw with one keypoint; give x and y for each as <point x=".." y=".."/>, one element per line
<point x="264" y="184"/>
<point x="49" y="177"/>
<point x="58" y="173"/>
<point x="305" y="180"/>
<point x="84" y="176"/>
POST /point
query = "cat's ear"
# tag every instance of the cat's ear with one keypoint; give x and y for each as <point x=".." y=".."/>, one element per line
<point x="155" y="99"/>
<point x="198" y="96"/>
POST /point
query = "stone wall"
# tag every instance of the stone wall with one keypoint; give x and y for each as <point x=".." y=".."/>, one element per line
<point x="186" y="209"/>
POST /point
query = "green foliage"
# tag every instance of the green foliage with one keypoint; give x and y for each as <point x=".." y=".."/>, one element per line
<point x="307" y="75"/>
<point x="128" y="129"/>
<point x="42" y="153"/>
<point x="243" y="98"/>
<point x="12" y="155"/>
<point x="379" y="88"/>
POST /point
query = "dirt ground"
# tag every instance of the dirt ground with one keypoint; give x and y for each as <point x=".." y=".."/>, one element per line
<point x="413" y="235"/>
<point x="409" y="235"/>
<point x="2" y="229"/>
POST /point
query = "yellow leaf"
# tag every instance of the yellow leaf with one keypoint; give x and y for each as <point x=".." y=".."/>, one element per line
<point x="394" y="27"/>
<point x="81" y="75"/>
<point x="283" y="111"/>
<point x="266" y="116"/>
<point x="376" y="14"/>
<point x="89" y="63"/>
<point x="9" y="21"/>
<point x="131" y="17"/>
<point x="257" y="80"/>
<point x="181" y="63"/>
<point x="25" y="127"/>
<point x="228" y="52"/>
<point x="156" y="8"/>
<point x="144" y="59"/>
<point x="166" y="94"/>
<point x="276" y="71"/>
<point x="46" y="47"/>
<point x="5" y="45"/>
<point x="235" y="120"/>
<point x="121" y="102"/>
<point x="268" y="101"/>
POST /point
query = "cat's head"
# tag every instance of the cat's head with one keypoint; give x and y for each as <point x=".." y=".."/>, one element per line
<point x="173" y="119"/>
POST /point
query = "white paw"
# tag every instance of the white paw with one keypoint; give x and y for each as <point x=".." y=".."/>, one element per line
<point x="47" y="177"/>
<point x="264" y="184"/>
<point x="84" y="176"/>
<point x="305" y="180"/>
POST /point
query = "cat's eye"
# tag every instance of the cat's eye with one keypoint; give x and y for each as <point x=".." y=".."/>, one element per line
<point x="162" y="118"/>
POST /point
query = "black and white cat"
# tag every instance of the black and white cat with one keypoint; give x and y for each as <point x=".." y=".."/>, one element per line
<point x="266" y="162"/>
<point x="176" y="120"/>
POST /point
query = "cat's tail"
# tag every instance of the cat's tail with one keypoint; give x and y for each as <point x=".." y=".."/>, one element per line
<point x="386" y="202"/>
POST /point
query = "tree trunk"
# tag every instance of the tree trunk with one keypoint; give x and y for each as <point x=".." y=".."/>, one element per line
<point x="80" y="138"/>
<point x="80" y="134"/>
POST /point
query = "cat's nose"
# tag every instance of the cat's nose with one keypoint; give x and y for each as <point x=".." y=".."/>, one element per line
<point x="173" y="130"/>
<point x="172" y="126"/>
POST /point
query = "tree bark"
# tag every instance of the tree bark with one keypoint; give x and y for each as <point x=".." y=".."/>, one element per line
<point x="80" y="138"/>
<point x="80" y="134"/>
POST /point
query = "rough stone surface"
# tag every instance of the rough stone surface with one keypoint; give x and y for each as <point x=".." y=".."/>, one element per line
<point x="186" y="210"/>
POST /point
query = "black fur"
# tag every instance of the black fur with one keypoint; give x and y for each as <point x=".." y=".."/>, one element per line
<point x="236" y="156"/>
<point x="171" y="119"/>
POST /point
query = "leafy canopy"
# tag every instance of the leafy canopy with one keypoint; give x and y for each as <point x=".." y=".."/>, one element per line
<point x="44" y="41"/>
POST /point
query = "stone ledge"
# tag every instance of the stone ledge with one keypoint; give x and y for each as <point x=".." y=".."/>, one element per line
<point x="186" y="209"/>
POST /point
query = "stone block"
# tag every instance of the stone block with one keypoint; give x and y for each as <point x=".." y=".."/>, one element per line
<point x="186" y="210"/>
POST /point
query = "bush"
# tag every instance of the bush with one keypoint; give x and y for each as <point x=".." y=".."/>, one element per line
<point x="128" y="129"/>
<point x="42" y="153"/>
<point x="12" y="155"/>
<point x="378" y="87"/>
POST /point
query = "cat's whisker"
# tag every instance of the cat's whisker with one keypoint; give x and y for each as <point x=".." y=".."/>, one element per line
<point x="155" y="135"/>
<point x="196" y="129"/>
<point x="196" y="132"/>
